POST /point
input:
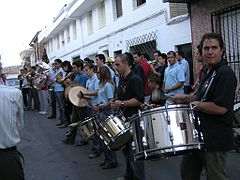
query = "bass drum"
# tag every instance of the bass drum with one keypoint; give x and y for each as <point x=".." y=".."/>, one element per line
<point x="165" y="131"/>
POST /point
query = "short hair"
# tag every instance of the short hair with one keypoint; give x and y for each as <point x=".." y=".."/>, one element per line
<point x="171" y="53"/>
<point x="58" y="61"/>
<point x="155" y="79"/>
<point x="138" y="53"/>
<point x="124" y="58"/>
<point x="181" y="53"/>
<point x="164" y="56"/>
<point x="131" y="59"/>
<point x="216" y="36"/>
<point x="158" y="52"/>
<point x="78" y="63"/>
<point x="101" y="57"/>
<point x="88" y="60"/>
<point x="34" y="67"/>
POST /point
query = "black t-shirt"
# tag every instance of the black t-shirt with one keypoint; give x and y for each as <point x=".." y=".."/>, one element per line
<point x="161" y="70"/>
<point x="217" y="129"/>
<point x="130" y="87"/>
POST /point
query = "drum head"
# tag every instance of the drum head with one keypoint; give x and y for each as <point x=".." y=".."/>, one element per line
<point x="73" y="96"/>
<point x="67" y="89"/>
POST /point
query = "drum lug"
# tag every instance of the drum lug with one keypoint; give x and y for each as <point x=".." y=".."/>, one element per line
<point x="145" y="154"/>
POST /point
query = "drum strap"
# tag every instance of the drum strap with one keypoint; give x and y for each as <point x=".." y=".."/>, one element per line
<point x="209" y="85"/>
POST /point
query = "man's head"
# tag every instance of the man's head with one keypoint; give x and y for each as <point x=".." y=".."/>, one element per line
<point x="100" y="59"/>
<point x="179" y="55"/>
<point x="171" y="55"/>
<point x="33" y="69"/>
<point x="212" y="48"/>
<point x="77" y="66"/>
<point x="57" y="63"/>
<point x="154" y="82"/>
<point x="156" y="54"/>
<point x="121" y="64"/>
<point x="137" y="57"/>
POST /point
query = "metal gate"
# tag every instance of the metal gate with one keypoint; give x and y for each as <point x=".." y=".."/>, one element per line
<point x="145" y="44"/>
<point x="227" y="23"/>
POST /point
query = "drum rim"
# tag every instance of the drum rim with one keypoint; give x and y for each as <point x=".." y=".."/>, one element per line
<point x="161" y="108"/>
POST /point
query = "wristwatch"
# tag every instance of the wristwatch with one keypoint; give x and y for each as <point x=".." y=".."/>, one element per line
<point x="122" y="104"/>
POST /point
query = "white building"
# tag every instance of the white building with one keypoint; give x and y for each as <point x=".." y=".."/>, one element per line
<point x="87" y="27"/>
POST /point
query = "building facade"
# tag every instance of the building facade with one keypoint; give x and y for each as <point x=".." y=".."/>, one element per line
<point x="85" y="28"/>
<point x="221" y="16"/>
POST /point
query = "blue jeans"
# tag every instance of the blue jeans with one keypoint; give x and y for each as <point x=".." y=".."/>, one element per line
<point x="61" y="104"/>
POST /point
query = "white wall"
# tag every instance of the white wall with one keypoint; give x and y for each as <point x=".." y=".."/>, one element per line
<point x="150" y="17"/>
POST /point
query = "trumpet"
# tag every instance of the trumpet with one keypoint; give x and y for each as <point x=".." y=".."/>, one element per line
<point x="69" y="76"/>
<point x="154" y="62"/>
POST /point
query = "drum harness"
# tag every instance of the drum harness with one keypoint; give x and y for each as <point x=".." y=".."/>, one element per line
<point x="195" y="112"/>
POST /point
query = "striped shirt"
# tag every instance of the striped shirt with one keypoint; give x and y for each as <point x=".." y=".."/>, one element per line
<point x="11" y="116"/>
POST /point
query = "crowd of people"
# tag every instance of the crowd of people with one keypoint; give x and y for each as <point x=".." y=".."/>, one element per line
<point x="125" y="85"/>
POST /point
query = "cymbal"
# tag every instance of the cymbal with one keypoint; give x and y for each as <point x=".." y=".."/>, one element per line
<point x="67" y="89"/>
<point x="73" y="96"/>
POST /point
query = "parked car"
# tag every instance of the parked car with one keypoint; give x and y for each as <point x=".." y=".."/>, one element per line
<point x="14" y="82"/>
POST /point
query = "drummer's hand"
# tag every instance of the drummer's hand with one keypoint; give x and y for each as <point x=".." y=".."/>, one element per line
<point x="97" y="107"/>
<point x="80" y="94"/>
<point x="179" y="98"/>
<point x="167" y="90"/>
<point x="116" y="104"/>
<point x="195" y="104"/>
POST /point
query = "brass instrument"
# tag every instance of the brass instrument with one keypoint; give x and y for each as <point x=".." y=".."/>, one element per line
<point x="59" y="76"/>
<point x="23" y="76"/>
<point x="69" y="76"/>
<point x="154" y="62"/>
<point x="41" y="77"/>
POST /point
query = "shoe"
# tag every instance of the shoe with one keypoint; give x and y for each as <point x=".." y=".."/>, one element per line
<point x="82" y="143"/>
<point x="102" y="163"/>
<point x="52" y="117"/>
<point x="68" y="133"/>
<point x="63" y="126"/>
<point x="110" y="165"/>
<point x="121" y="178"/>
<point x="68" y="141"/>
<point x="42" y="112"/>
<point x="59" y="124"/>
<point x="93" y="155"/>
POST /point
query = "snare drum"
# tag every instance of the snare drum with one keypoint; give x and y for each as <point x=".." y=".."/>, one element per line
<point x="88" y="126"/>
<point x="114" y="132"/>
<point x="165" y="131"/>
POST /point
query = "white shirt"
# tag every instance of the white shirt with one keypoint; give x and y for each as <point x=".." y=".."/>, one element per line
<point x="11" y="116"/>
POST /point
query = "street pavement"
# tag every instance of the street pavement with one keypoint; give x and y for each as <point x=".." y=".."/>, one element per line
<point x="47" y="158"/>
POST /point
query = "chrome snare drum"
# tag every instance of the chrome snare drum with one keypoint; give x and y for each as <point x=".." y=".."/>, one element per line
<point x="88" y="126"/>
<point x="165" y="131"/>
<point x="114" y="132"/>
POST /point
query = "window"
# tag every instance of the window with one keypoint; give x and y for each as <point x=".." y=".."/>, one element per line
<point x="118" y="8"/>
<point x="74" y="30"/>
<point x="58" y="41"/>
<point x="62" y="39"/>
<point x="51" y="45"/>
<point x="140" y="2"/>
<point x="68" y="35"/>
<point x="178" y="9"/>
<point x="102" y="14"/>
<point x="90" y="23"/>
